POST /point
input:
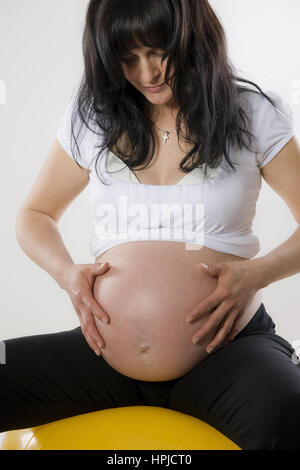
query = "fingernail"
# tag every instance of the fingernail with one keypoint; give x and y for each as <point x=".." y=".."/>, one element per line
<point x="195" y="340"/>
<point x="204" y="265"/>
<point x="104" y="320"/>
<point x="97" y="353"/>
<point x="209" y="350"/>
<point x="100" y="346"/>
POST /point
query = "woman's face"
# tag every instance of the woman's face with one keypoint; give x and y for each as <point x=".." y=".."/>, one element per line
<point x="143" y="69"/>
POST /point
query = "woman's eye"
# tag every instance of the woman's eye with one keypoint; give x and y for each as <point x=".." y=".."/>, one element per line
<point x="129" y="60"/>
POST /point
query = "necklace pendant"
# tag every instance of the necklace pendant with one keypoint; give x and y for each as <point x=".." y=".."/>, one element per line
<point x="166" y="136"/>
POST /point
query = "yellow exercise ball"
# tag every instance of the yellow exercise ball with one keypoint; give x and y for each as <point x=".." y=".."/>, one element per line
<point x="123" y="428"/>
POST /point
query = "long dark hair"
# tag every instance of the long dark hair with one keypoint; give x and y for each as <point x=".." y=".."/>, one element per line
<point x="204" y="83"/>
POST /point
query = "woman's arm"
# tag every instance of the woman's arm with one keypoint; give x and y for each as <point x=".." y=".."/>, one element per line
<point x="282" y="173"/>
<point x="239" y="280"/>
<point x="282" y="262"/>
<point x="39" y="238"/>
<point x="59" y="181"/>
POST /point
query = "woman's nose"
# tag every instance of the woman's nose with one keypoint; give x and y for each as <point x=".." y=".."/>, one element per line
<point x="150" y="73"/>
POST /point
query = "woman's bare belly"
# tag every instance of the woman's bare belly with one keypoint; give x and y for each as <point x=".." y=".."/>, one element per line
<point x="147" y="293"/>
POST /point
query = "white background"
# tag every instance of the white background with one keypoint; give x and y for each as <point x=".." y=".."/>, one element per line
<point x="41" y="65"/>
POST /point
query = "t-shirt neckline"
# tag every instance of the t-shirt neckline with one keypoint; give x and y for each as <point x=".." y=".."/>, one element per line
<point x="143" y="185"/>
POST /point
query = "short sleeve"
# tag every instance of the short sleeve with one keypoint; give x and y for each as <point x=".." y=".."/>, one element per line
<point x="273" y="126"/>
<point x="85" y="137"/>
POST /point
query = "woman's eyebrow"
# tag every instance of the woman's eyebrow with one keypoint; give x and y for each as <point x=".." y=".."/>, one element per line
<point x="150" y="49"/>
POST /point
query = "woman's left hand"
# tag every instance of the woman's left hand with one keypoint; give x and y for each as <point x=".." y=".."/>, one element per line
<point x="236" y="287"/>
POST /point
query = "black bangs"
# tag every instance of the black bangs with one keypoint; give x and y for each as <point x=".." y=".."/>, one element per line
<point x="134" y="23"/>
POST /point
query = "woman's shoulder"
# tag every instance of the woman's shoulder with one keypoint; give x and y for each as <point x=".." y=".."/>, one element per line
<point x="77" y="137"/>
<point x="271" y="124"/>
<point x="254" y="102"/>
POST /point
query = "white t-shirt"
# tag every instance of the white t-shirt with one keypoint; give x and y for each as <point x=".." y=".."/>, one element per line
<point x="216" y="212"/>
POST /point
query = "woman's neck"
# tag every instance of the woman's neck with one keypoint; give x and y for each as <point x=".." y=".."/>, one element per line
<point x="164" y="113"/>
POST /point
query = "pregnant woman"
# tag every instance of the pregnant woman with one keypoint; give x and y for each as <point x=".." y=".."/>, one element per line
<point x="172" y="150"/>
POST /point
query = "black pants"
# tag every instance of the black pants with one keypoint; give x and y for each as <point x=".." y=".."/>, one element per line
<point x="249" y="390"/>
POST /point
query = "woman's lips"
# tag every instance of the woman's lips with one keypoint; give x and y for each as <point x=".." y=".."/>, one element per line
<point x="155" y="89"/>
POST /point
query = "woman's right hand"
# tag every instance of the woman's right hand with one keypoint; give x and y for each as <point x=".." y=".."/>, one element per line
<point x="78" y="282"/>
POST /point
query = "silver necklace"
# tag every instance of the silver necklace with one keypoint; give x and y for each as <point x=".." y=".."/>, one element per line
<point x="165" y="134"/>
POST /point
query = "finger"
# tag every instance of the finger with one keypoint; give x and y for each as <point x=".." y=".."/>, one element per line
<point x="99" y="268"/>
<point x="98" y="311"/>
<point x="212" y="322"/>
<point x="91" y="344"/>
<point x="208" y="305"/>
<point x="89" y="327"/>
<point x="223" y="332"/>
<point x="95" y="335"/>
<point x="234" y="330"/>
<point x="90" y="341"/>
<point x="201" y="309"/>
<point x="93" y="307"/>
